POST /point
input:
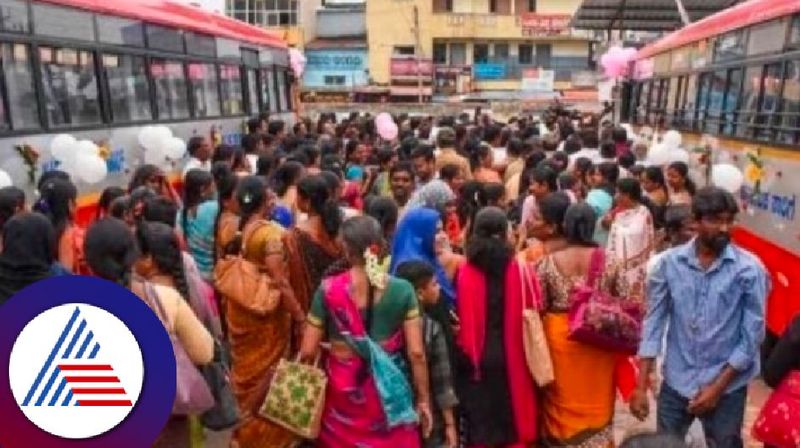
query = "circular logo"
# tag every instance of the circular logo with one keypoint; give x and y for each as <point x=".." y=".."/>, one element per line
<point x="89" y="365"/>
<point x="76" y="371"/>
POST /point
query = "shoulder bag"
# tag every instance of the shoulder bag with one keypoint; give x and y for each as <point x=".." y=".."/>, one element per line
<point x="537" y="352"/>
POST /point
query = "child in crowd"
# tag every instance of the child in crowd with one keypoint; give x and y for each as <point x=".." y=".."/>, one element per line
<point x="422" y="276"/>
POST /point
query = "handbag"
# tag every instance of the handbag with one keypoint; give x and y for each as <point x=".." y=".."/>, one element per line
<point x="537" y="352"/>
<point x="192" y="395"/>
<point x="597" y="318"/>
<point x="778" y="424"/>
<point x="295" y="398"/>
<point x="243" y="282"/>
<point x="225" y="413"/>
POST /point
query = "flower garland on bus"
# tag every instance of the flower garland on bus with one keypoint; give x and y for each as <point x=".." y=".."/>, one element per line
<point x="30" y="156"/>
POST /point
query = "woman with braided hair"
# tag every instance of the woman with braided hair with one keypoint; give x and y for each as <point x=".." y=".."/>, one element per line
<point x="257" y="339"/>
<point x="111" y="254"/>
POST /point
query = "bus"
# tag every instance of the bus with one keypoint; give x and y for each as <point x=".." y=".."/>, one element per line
<point x="735" y="75"/>
<point x="102" y="70"/>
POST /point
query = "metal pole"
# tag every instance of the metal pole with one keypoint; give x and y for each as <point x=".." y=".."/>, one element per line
<point x="683" y="13"/>
<point x="417" y="51"/>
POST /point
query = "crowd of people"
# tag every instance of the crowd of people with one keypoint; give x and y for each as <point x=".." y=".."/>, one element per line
<point x="431" y="248"/>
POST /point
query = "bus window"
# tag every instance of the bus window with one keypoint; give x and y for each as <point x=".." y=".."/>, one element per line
<point x="770" y="99"/>
<point x="794" y="33"/>
<point x="119" y="31"/>
<point x="14" y="16"/>
<point x="269" y="81"/>
<point x="70" y="86"/>
<point x="128" y="87"/>
<point x="732" y="95"/>
<point x="172" y="98"/>
<point x="790" y="104"/>
<point x="748" y="106"/>
<point x="231" y="86"/>
<point x="56" y="21"/>
<point x="252" y="90"/>
<point x="641" y="108"/>
<point x="283" y="90"/>
<point x="164" y="38"/>
<point x="16" y="60"/>
<point x="716" y="95"/>
<point x="671" y="105"/>
<point x="702" y="99"/>
<point x="205" y="89"/>
<point x="689" y="98"/>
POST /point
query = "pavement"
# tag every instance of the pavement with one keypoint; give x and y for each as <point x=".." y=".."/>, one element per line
<point x="627" y="424"/>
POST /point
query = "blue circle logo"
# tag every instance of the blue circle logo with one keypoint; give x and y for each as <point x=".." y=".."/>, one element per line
<point x="89" y="365"/>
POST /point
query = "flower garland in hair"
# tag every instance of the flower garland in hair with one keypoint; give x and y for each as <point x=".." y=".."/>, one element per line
<point x="377" y="269"/>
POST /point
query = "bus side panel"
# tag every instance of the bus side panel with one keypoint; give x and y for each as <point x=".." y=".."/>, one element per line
<point x="784" y="268"/>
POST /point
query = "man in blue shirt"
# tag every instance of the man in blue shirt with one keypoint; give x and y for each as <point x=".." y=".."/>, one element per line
<point x="710" y="295"/>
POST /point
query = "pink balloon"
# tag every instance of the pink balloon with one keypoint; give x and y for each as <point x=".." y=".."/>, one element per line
<point x="387" y="130"/>
<point x="297" y="61"/>
<point x="383" y="117"/>
<point x="616" y="60"/>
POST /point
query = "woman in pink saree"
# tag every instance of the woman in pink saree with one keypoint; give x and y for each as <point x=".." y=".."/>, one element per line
<point x="373" y="323"/>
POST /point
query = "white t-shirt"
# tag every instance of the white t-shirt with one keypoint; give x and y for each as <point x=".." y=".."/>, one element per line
<point x="252" y="159"/>
<point x="196" y="164"/>
<point x="591" y="154"/>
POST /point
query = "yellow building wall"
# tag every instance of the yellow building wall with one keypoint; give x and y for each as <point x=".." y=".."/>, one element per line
<point x="390" y="23"/>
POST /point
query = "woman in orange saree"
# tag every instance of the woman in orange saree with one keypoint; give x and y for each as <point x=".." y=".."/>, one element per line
<point x="578" y="407"/>
<point x="258" y="337"/>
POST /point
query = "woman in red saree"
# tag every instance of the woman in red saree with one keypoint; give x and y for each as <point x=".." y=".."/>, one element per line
<point x="496" y="390"/>
<point x="373" y="323"/>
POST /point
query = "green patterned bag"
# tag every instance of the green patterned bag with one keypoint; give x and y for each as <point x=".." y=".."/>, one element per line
<point x="296" y="397"/>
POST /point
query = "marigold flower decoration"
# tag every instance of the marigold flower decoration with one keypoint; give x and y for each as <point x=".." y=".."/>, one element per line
<point x="377" y="269"/>
<point x="104" y="150"/>
<point x="755" y="171"/>
<point x="30" y="156"/>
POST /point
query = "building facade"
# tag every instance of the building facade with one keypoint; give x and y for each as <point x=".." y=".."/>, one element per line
<point x="478" y="45"/>
<point x="294" y="19"/>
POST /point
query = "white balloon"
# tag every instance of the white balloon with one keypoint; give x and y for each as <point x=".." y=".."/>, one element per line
<point x="658" y="155"/>
<point x="85" y="147"/>
<point x="61" y="145"/>
<point x="672" y="139"/>
<point x="679" y="155"/>
<point x="162" y="132"/>
<point x="727" y="176"/>
<point x="146" y="137"/>
<point x="174" y="148"/>
<point x="155" y="156"/>
<point x="92" y="169"/>
<point x="5" y="179"/>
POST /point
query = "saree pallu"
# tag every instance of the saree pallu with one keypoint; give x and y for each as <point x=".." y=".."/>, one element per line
<point x="257" y="343"/>
<point x="368" y="400"/>
<point x="578" y="408"/>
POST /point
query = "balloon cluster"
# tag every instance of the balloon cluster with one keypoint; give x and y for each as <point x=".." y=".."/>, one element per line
<point x="79" y="158"/>
<point x="386" y="126"/>
<point x="297" y="62"/>
<point x="616" y="61"/>
<point x="161" y="148"/>
<point x="5" y="179"/>
<point x="668" y="151"/>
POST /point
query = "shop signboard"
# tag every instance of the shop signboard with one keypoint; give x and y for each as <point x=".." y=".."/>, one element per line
<point x="490" y="71"/>
<point x="536" y="24"/>
<point x="537" y="80"/>
<point x="452" y="79"/>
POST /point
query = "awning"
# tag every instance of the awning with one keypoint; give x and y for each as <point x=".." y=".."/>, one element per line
<point x="642" y="15"/>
